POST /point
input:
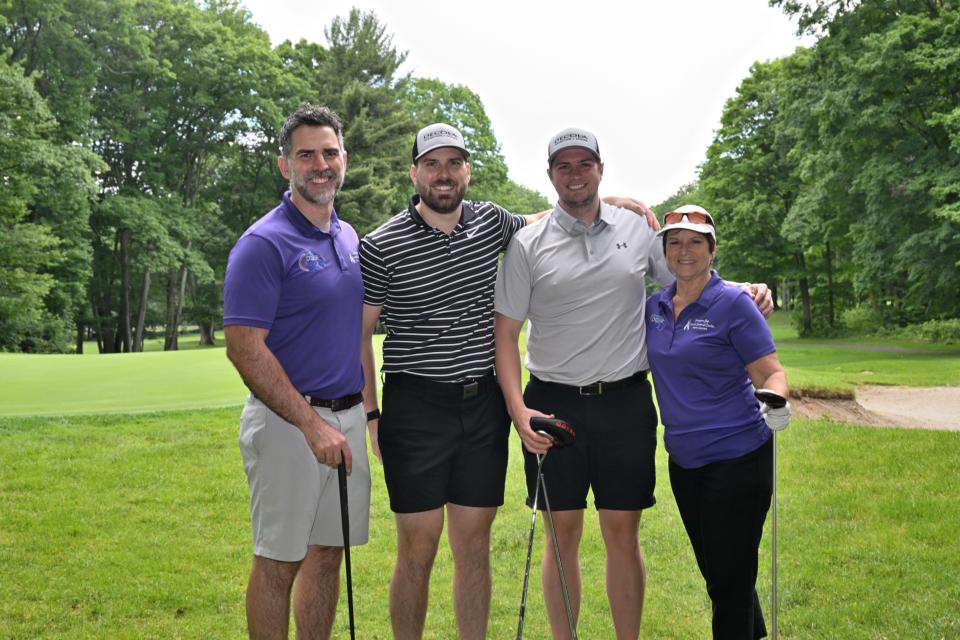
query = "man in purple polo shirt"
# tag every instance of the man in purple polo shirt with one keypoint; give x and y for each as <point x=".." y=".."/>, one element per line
<point x="292" y="305"/>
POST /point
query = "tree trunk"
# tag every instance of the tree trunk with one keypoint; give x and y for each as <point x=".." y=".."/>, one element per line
<point x="184" y="272"/>
<point x="170" y="325"/>
<point x="126" y="338"/>
<point x="97" y="326"/>
<point x="80" y="334"/>
<point x="176" y="291"/>
<point x="807" y="328"/>
<point x="807" y="323"/>
<point x="207" y="339"/>
<point x="142" y="314"/>
<point x="828" y="258"/>
<point x="109" y="344"/>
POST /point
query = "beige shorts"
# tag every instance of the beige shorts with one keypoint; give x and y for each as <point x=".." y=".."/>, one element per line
<point x="294" y="499"/>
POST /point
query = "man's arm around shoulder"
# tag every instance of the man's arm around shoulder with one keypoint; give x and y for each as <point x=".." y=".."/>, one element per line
<point x="264" y="376"/>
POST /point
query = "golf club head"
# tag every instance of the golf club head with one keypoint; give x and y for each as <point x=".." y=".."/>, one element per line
<point x="773" y="399"/>
<point x="559" y="430"/>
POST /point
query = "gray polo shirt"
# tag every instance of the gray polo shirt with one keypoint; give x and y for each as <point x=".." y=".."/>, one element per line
<point x="583" y="290"/>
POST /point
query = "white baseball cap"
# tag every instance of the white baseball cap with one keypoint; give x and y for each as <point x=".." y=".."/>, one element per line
<point x="437" y="136"/>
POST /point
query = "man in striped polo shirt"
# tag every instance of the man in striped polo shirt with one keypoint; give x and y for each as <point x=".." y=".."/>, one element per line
<point x="442" y="438"/>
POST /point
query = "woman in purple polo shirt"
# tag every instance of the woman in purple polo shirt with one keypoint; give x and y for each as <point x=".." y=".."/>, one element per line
<point x="708" y="348"/>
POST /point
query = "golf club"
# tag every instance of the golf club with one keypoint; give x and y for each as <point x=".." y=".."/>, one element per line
<point x="774" y="401"/>
<point x="345" y="520"/>
<point x="562" y="434"/>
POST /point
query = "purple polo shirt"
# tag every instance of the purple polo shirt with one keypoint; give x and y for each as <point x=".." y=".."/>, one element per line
<point x="699" y="363"/>
<point x="303" y="285"/>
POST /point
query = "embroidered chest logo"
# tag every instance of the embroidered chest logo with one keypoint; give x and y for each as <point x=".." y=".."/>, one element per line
<point x="310" y="261"/>
<point x="659" y="322"/>
<point x="698" y="324"/>
<point x="354" y="257"/>
<point x="621" y="245"/>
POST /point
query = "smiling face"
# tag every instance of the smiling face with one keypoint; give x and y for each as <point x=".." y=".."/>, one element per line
<point x="688" y="253"/>
<point x="576" y="174"/>
<point x="441" y="178"/>
<point x="315" y="167"/>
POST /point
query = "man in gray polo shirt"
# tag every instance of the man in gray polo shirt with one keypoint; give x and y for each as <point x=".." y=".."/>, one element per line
<point x="579" y="276"/>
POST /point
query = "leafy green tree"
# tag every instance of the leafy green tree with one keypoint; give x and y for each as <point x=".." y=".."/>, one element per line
<point x="360" y="80"/>
<point x="749" y="182"/>
<point x="40" y="239"/>
<point x="884" y="148"/>
<point x="186" y="85"/>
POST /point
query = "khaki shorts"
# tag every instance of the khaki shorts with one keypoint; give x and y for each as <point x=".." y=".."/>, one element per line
<point x="295" y="500"/>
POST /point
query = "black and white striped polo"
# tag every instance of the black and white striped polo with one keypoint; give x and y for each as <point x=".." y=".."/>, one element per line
<point x="437" y="290"/>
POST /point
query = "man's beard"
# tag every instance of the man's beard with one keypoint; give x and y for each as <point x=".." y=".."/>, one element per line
<point x="448" y="202"/>
<point x="324" y="197"/>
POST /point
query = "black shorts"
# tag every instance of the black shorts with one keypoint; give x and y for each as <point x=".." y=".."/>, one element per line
<point x="613" y="452"/>
<point x="441" y="443"/>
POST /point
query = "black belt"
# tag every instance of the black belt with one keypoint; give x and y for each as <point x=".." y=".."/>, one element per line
<point x="337" y="404"/>
<point x="463" y="390"/>
<point x="597" y="388"/>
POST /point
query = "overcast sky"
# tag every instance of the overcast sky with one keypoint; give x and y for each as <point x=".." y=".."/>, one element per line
<point x="648" y="78"/>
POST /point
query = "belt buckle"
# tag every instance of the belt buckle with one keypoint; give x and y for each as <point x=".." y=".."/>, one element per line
<point x="589" y="389"/>
<point x="470" y="389"/>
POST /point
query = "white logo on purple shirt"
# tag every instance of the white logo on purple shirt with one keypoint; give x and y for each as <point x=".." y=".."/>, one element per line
<point x="658" y="321"/>
<point x="699" y="324"/>
<point x="310" y="261"/>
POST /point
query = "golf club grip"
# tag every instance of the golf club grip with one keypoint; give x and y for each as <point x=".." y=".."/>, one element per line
<point x="560" y="430"/>
<point x="344" y="511"/>
<point x="772" y="399"/>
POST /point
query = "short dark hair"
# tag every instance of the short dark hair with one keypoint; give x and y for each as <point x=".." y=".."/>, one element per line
<point x="310" y="115"/>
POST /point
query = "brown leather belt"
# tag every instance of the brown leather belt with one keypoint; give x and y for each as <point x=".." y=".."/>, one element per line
<point x="337" y="404"/>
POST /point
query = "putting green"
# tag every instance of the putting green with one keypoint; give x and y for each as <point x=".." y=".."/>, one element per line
<point x="117" y="383"/>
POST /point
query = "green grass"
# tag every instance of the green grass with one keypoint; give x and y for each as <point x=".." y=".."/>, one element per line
<point x="203" y="377"/>
<point x="150" y="381"/>
<point x="837" y="366"/>
<point x="136" y="527"/>
<point x="118" y="524"/>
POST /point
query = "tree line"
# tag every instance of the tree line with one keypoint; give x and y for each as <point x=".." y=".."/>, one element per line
<point x="835" y="173"/>
<point x="138" y="139"/>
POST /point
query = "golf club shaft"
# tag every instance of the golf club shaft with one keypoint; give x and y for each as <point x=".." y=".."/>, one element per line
<point x="345" y="520"/>
<point x="773" y="546"/>
<point x="556" y="551"/>
<point x="526" y="572"/>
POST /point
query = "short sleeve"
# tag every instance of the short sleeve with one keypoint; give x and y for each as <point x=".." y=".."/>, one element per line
<point x="374" y="272"/>
<point x="749" y="333"/>
<point x="510" y="223"/>
<point x="512" y="294"/>
<point x="252" y="284"/>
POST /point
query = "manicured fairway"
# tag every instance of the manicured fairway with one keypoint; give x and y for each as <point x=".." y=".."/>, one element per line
<point x="199" y="378"/>
<point x="69" y="384"/>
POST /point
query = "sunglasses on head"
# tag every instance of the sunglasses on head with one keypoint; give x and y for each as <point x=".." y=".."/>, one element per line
<point x="694" y="217"/>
